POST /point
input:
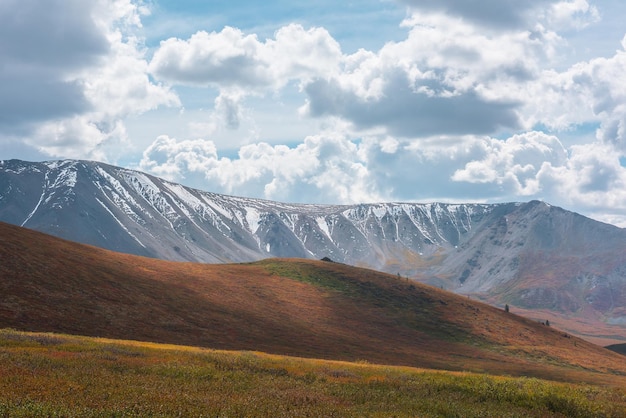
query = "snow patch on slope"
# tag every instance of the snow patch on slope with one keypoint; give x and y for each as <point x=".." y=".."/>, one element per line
<point x="120" y="222"/>
<point x="152" y="195"/>
<point x="253" y="219"/>
<point x="323" y="226"/>
<point x="120" y="197"/>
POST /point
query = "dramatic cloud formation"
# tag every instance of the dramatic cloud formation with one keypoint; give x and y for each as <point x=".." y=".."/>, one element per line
<point x="515" y="164"/>
<point x="604" y="80"/>
<point x="327" y="166"/>
<point x="231" y="59"/>
<point x="239" y="65"/>
<point x="53" y="43"/>
<point x="72" y="71"/>
<point x="407" y="113"/>
<point x="468" y="102"/>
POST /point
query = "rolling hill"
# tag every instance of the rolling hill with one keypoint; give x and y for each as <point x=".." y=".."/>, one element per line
<point x="295" y="307"/>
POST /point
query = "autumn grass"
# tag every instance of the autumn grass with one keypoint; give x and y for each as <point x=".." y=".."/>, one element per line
<point x="47" y="375"/>
<point x="294" y="307"/>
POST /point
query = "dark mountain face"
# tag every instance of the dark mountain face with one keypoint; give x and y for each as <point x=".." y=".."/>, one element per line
<point x="530" y="255"/>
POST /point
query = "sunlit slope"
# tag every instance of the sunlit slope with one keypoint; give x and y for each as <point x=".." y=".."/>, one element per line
<point x="289" y="306"/>
<point x="56" y="375"/>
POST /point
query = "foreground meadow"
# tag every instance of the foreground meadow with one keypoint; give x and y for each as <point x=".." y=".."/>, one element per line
<point x="50" y="375"/>
<point x="293" y="307"/>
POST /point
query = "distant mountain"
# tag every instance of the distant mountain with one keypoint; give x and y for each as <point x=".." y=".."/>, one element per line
<point x="132" y="212"/>
<point x="299" y="307"/>
<point x="538" y="258"/>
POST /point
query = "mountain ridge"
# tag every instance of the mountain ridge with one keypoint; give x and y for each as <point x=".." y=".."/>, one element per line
<point x="128" y="191"/>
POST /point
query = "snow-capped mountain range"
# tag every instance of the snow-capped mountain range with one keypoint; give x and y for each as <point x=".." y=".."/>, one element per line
<point x="129" y="211"/>
<point x="531" y="254"/>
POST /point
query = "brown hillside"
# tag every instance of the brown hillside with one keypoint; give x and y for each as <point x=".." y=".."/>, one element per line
<point x="296" y="307"/>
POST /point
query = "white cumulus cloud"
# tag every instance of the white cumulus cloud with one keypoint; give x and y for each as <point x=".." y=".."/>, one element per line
<point x="589" y="177"/>
<point x="447" y="77"/>
<point x="576" y="14"/>
<point x="327" y="167"/>
<point x="516" y="163"/>
<point x="231" y="59"/>
<point x="240" y="65"/>
<point x="79" y="65"/>
<point x="588" y="92"/>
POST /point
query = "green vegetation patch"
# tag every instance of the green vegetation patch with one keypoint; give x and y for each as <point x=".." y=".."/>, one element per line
<point x="82" y="377"/>
<point x="399" y="299"/>
<point x="303" y="272"/>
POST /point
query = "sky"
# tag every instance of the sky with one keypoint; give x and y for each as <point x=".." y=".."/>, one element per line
<point x="329" y="102"/>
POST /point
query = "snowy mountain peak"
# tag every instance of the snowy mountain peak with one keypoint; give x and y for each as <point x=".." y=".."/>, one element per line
<point x="132" y="211"/>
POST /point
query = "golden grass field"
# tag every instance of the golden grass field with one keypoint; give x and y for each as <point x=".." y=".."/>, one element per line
<point x="47" y="375"/>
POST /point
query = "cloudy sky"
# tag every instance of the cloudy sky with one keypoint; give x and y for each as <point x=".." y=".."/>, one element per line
<point x="329" y="102"/>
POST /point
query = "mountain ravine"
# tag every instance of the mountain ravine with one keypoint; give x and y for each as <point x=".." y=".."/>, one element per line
<point x="530" y="255"/>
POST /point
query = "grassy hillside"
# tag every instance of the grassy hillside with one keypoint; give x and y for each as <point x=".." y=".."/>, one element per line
<point x="291" y="307"/>
<point x="47" y="375"/>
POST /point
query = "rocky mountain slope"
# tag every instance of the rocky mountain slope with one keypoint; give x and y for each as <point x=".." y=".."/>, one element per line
<point x="530" y="255"/>
<point x="132" y="212"/>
